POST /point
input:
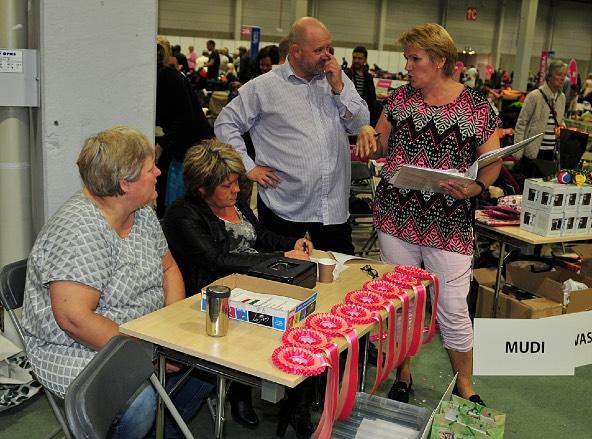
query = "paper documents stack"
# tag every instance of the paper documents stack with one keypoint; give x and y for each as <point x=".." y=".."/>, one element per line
<point x="427" y="179"/>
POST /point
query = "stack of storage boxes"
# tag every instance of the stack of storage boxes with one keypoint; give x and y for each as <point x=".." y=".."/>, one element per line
<point x="553" y="209"/>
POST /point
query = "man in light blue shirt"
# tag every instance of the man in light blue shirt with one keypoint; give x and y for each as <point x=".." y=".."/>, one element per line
<point x="299" y="116"/>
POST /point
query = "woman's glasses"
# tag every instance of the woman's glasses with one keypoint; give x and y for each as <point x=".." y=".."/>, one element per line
<point x="370" y="271"/>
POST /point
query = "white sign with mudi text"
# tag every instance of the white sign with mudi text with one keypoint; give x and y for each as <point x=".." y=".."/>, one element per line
<point x="523" y="347"/>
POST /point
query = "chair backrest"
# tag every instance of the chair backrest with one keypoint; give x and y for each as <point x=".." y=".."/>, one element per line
<point x="12" y="291"/>
<point x="105" y="385"/>
<point x="12" y="284"/>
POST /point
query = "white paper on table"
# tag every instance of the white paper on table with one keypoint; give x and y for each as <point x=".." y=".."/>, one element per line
<point x="428" y="179"/>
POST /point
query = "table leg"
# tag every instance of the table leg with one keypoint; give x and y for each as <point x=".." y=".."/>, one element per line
<point x="219" y="424"/>
<point x="160" y="403"/>
<point x="362" y="380"/>
<point x="498" y="277"/>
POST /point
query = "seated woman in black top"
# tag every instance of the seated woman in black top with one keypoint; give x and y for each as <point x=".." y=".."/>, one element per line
<point x="212" y="233"/>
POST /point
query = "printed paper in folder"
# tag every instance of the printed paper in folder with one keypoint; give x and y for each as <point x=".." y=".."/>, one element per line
<point x="428" y="179"/>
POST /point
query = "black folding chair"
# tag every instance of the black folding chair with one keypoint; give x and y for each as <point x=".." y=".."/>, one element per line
<point x="12" y="290"/>
<point x="362" y="195"/>
<point x="122" y="366"/>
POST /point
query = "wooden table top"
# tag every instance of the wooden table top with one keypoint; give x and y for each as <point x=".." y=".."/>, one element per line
<point x="246" y="347"/>
<point x="531" y="238"/>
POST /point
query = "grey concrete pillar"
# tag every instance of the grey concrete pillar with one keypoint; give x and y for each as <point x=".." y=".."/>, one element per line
<point x="238" y="18"/>
<point x="498" y="32"/>
<point x="381" y="31"/>
<point x="528" y="13"/>
<point x="16" y="234"/>
<point x="299" y="9"/>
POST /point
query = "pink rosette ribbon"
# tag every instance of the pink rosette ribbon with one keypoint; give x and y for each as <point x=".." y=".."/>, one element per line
<point x="401" y="280"/>
<point x="336" y="326"/>
<point x="306" y="338"/>
<point x="298" y="360"/>
<point x="425" y="275"/>
<point x="386" y="289"/>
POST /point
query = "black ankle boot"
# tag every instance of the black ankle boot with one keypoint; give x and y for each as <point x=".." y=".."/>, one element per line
<point x="298" y="417"/>
<point x="241" y="406"/>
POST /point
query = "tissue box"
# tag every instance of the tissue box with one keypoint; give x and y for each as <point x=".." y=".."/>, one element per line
<point x="278" y="319"/>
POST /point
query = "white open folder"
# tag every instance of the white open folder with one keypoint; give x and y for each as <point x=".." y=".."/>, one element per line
<point x="428" y="179"/>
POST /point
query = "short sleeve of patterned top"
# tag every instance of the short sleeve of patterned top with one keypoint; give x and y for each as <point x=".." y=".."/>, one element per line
<point x="442" y="137"/>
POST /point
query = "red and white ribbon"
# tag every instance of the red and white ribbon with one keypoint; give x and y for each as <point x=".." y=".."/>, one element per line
<point x="423" y="274"/>
<point x="335" y="326"/>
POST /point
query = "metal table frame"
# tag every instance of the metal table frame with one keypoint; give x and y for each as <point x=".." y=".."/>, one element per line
<point x="223" y="377"/>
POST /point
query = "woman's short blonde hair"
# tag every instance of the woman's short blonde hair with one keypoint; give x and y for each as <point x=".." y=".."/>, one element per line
<point x="436" y="41"/>
<point x="163" y="50"/>
<point x="111" y="156"/>
<point x="207" y="165"/>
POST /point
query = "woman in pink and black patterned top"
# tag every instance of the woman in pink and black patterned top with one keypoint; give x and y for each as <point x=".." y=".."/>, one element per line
<point x="438" y="123"/>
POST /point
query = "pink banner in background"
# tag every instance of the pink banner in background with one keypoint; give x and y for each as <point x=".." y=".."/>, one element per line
<point x="573" y="71"/>
<point x="543" y="67"/>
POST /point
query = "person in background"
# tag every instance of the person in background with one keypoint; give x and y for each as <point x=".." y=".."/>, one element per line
<point x="181" y="59"/>
<point x="213" y="64"/>
<point x="212" y="232"/>
<point x="191" y="58"/>
<point x="233" y="90"/>
<point x="284" y="48"/>
<point x="364" y="81"/>
<point x="183" y="124"/>
<point x="100" y="261"/>
<point x="587" y="89"/>
<point x="542" y="111"/>
<point x="267" y="58"/>
<point x="433" y="122"/>
<point x="299" y="116"/>
<point x="224" y="59"/>
<point x="202" y="61"/>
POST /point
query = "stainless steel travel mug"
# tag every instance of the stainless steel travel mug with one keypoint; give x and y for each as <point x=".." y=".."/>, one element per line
<point x="217" y="310"/>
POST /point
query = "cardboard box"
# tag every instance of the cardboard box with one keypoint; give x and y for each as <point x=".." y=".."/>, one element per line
<point x="510" y="307"/>
<point x="260" y="315"/>
<point x="549" y="284"/>
<point x="584" y="251"/>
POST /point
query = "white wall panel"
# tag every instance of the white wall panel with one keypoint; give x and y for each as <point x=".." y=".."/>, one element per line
<point x="402" y="15"/>
<point x="573" y="35"/>
<point x="273" y="16"/>
<point x="350" y="21"/>
<point x="196" y="15"/>
<point x="97" y="70"/>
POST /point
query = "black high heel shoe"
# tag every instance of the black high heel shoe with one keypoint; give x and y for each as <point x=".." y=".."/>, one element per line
<point x="298" y="417"/>
<point x="473" y="398"/>
<point x="400" y="390"/>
